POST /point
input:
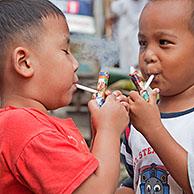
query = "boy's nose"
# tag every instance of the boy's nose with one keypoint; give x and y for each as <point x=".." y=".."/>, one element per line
<point x="150" y="57"/>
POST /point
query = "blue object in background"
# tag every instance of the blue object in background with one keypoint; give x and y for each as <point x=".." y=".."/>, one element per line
<point x="86" y="7"/>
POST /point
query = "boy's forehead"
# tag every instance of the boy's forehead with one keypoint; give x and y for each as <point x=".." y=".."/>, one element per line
<point x="167" y="9"/>
<point x="165" y="18"/>
<point x="185" y="5"/>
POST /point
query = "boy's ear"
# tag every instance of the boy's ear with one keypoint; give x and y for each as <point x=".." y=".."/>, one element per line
<point x="22" y="62"/>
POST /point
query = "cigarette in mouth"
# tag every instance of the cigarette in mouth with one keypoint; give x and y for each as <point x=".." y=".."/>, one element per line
<point x="85" y="88"/>
<point x="149" y="81"/>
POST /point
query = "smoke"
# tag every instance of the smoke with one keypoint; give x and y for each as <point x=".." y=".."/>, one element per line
<point x="92" y="48"/>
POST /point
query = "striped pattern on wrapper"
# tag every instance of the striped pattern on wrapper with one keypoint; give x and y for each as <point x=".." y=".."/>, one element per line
<point x="135" y="78"/>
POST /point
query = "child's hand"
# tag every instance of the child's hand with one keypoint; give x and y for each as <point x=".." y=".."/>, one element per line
<point x="144" y="115"/>
<point x="112" y="115"/>
<point x="122" y="98"/>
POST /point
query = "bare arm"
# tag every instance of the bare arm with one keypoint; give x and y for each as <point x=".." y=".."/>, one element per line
<point x="124" y="190"/>
<point x="173" y="155"/>
<point x="109" y="121"/>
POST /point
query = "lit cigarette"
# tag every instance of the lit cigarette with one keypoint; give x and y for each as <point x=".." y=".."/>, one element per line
<point x="147" y="84"/>
<point x="86" y="88"/>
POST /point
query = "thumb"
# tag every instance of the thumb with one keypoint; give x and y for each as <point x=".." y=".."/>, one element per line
<point x="92" y="105"/>
<point x="154" y="95"/>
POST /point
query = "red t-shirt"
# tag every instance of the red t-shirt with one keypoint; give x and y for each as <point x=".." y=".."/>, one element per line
<point x="41" y="154"/>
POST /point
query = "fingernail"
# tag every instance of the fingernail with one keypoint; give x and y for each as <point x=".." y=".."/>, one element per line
<point x="157" y="90"/>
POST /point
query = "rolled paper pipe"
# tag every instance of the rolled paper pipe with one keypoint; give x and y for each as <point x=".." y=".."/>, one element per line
<point x="85" y="88"/>
<point x="140" y="86"/>
<point x="149" y="81"/>
<point x="91" y="90"/>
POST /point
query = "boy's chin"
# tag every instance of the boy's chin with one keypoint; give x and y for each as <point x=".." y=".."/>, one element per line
<point x="68" y="101"/>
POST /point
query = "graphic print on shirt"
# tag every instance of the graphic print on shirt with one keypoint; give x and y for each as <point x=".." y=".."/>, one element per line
<point x="154" y="180"/>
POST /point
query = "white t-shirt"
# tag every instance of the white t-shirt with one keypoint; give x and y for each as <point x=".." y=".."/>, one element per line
<point x="145" y="167"/>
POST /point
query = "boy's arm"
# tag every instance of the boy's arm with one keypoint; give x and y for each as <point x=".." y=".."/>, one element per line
<point x="191" y="169"/>
<point x="109" y="121"/>
<point x="170" y="152"/>
<point x="124" y="190"/>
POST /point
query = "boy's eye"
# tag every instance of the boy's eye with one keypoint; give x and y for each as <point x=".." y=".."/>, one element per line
<point x="164" y="42"/>
<point x="142" y="43"/>
<point x="66" y="51"/>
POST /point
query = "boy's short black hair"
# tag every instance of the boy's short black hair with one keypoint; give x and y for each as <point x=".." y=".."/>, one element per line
<point x="23" y="19"/>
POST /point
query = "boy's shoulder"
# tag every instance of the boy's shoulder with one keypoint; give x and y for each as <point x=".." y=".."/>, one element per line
<point x="23" y="123"/>
<point x="22" y="116"/>
<point x="32" y="121"/>
<point x="20" y="126"/>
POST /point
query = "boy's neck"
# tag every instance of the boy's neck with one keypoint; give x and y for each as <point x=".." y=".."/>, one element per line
<point x="20" y="101"/>
<point x="177" y="103"/>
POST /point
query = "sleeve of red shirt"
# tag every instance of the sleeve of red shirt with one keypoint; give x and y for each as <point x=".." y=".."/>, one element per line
<point x="52" y="163"/>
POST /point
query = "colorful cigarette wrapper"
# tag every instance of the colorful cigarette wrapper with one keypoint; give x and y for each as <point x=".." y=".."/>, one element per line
<point x="102" y="85"/>
<point x="138" y="82"/>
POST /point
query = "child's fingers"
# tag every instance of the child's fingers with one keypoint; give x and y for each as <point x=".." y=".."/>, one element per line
<point x="117" y="93"/>
<point x="126" y="105"/>
<point x="122" y="98"/>
<point x="133" y="95"/>
<point x="111" y="97"/>
<point x="93" y="96"/>
<point x="130" y="101"/>
<point x="119" y="96"/>
<point x="107" y="92"/>
<point x="92" y="105"/>
<point x="153" y="95"/>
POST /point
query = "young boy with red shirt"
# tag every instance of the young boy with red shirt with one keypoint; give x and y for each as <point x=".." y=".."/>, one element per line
<point x="40" y="153"/>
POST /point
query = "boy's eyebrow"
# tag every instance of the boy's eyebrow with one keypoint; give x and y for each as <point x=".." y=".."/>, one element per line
<point x="160" y="33"/>
<point x="141" y="35"/>
<point x="166" y="33"/>
<point x="66" y="40"/>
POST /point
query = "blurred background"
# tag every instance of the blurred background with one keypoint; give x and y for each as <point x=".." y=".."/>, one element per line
<point x="103" y="37"/>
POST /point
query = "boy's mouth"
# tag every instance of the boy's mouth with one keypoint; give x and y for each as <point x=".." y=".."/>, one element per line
<point x="149" y="74"/>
